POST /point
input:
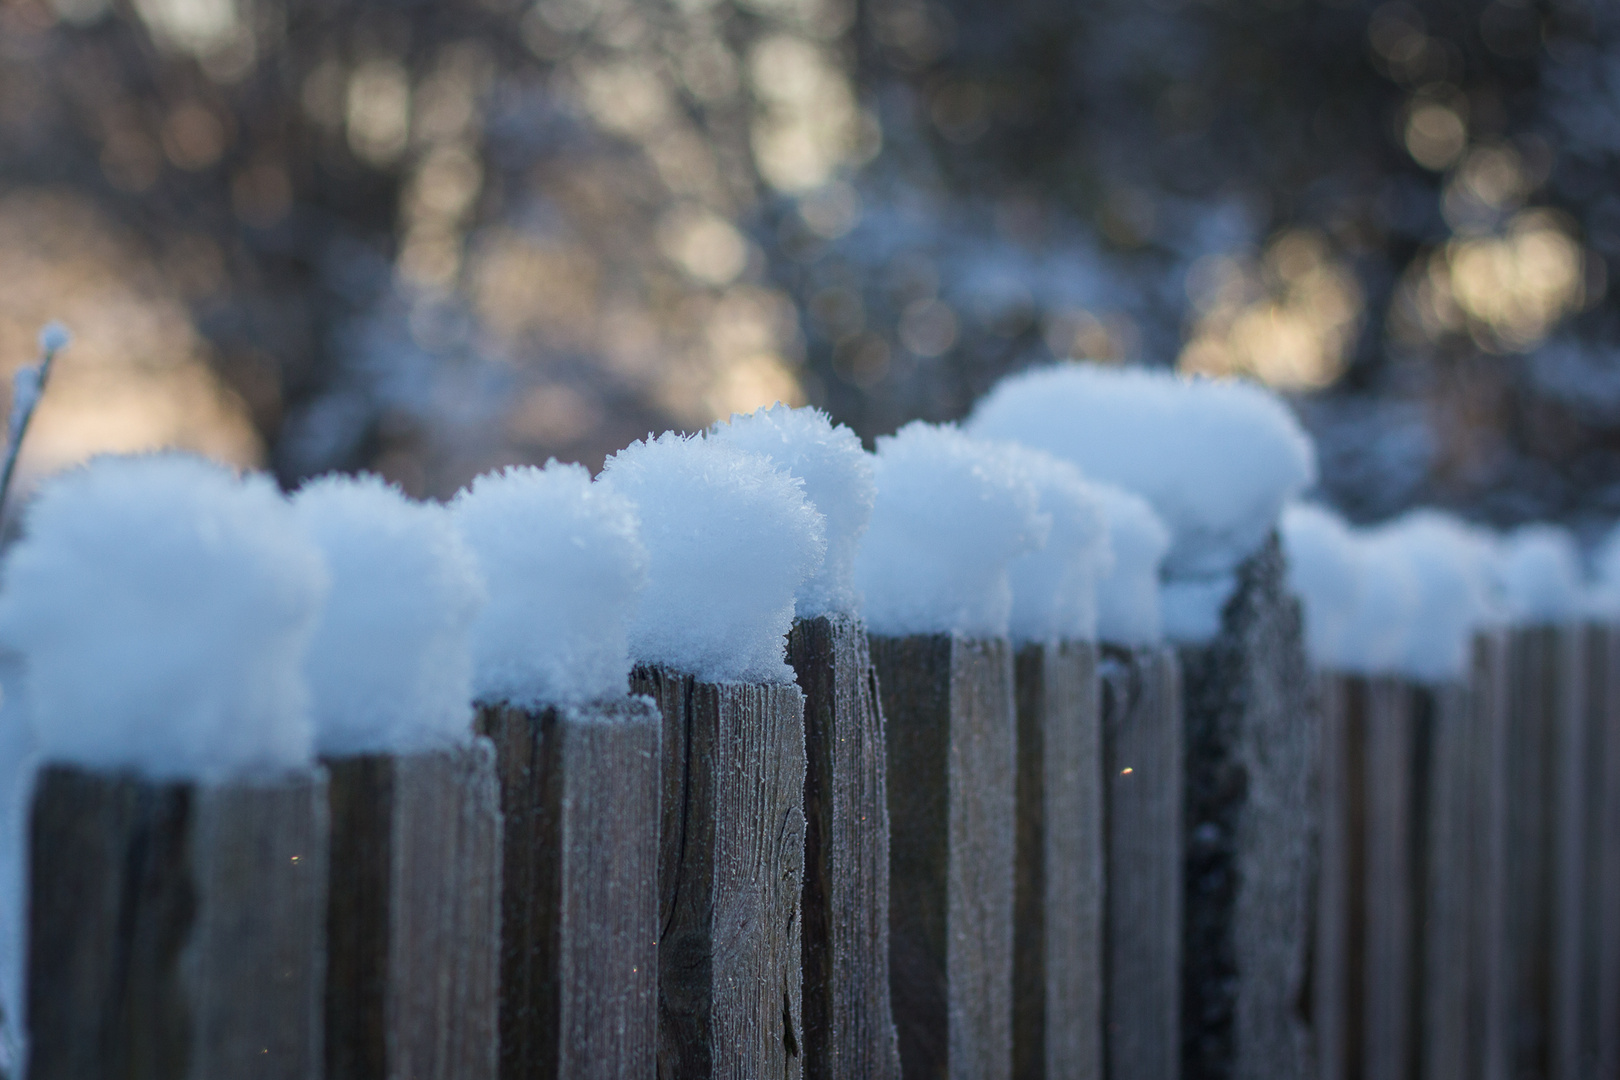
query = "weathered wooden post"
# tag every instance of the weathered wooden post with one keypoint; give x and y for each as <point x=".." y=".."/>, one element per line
<point x="730" y="538"/>
<point x="1058" y="909"/>
<point x="578" y="765"/>
<point x="848" y="1020"/>
<point x="413" y="916"/>
<point x="178" y="833"/>
<point x="951" y="514"/>
<point x="1143" y="769"/>
<point x="1600" y="973"/>
<point x="1543" y="591"/>
<point x="1217" y="461"/>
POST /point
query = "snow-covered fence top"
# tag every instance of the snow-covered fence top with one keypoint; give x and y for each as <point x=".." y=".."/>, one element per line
<point x="564" y="565"/>
<point x="1054" y="588"/>
<point x="730" y="540"/>
<point x="837" y="477"/>
<point x="1128" y="597"/>
<point x="390" y="667"/>
<point x="162" y="607"/>
<point x="952" y="514"/>
<point x="1216" y="459"/>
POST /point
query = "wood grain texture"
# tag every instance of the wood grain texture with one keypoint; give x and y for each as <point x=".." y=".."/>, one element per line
<point x="848" y="1020"/>
<point x="949" y="710"/>
<point x="1338" y="1033"/>
<point x="1143" y="765"/>
<point x="1600" y="1014"/>
<point x="579" y="902"/>
<point x="730" y="877"/>
<point x="414" y="915"/>
<point x="1251" y="754"/>
<point x="177" y="929"/>
<point x="1543" y="752"/>
<point x="1058" y="878"/>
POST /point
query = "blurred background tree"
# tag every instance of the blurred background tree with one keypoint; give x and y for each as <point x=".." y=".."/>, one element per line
<point x="431" y="238"/>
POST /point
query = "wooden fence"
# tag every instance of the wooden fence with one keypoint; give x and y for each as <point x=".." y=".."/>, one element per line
<point x="933" y="857"/>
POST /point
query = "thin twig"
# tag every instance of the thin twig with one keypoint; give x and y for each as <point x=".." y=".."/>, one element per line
<point x="26" y="387"/>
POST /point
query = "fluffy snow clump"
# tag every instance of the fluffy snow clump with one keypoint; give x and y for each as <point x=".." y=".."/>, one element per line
<point x="1217" y="460"/>
<point x="163" y="608"/>
<point x="1128" y="599"/>
<point x="390" y="668"/>
<point x="952" y="513"/>
<point x="1539" y="574"/>
<point x="1451" y="565"/>
<point x="1324" y="571"/>
<point x="837" y="475"/>
<point x="730" y="539"/>
<point x="564" y="564"/>
<point x="1603" y="602"/>
<point x="1054" y="589"/>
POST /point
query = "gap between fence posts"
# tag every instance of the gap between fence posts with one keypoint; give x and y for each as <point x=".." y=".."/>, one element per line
<point x="730" y="876"/>
<point x="1251" y="749"/>
<point x="413" y="924"/>
<point x="579" y="901"/>
<point x="1058" y="879"/>
<point x="177" y="930"/>
<point x="1143" y="876"/>
<point x="848" y="1020"/>
<point x="949" y="710"/>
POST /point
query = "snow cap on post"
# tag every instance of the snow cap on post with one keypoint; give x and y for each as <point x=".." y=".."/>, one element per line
<point x="563" y="564"/>
<point x="1128" y="595"/>
<point x="1324" y="571"/>
<point x="952" y="513"/>
<point x="730" y="540"/>
<point x="390" y="667"/>
<point x="1450" y="563"/>
<point x="1538" y="571"/>
<point x="1054" y="589"/>
<point x="163" y="607"/>
<point x="1216" y="459"/>
<point x="1603" y="601"/>
<point x="837" y="476"/>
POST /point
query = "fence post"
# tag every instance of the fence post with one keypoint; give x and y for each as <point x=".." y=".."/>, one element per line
<point x="1251" y="752"/>
<point x="1600" y="1017"/>
<point x="949" y="711"/>
<point x="1058" y="905"/>
<point x="1143" y="878"/>
<point x="413" y="924"/>
<point x="1544" y="748"/>
<point x="579" y="900"/>
<point x="176" y="929"/>
<point x="848" y="1020"/>
<point x="730" y="876"/>
<point x="1448" y="832"/>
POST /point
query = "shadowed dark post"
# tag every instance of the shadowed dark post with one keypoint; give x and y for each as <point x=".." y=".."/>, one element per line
<point x="413" y="923"/>
<point x="177" y="929"/>
<point x="1143" y="767"/>
<point x="1545" y="757"/>
<point x="950" y="715"/>
<point x="730" y="876"/>
<point x="1057" y="904"/>
<point x="1600" y="974"/>
<point x="579" y="902"/>
<point x="848" y="1021"/>
<point x="1251" y="753"/>
<point x="1447" y="831"/>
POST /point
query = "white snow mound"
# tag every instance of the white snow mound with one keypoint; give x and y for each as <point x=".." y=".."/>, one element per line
<point x="952" y="514"/>
<point x="837" y="476"/>
<point x="1538" y="572"/>
<point x="730" y="539"/>
<point x="563" y="564"/>
<point x="163" y="607"/>
<point x="1324" y="571"/>
<point x="1054" y="589"/>
<point x="1216" y="459"/>
<point x="1451" y="564"/>
<point x="1128" y="601"/>
<point x="390" y="668"/>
